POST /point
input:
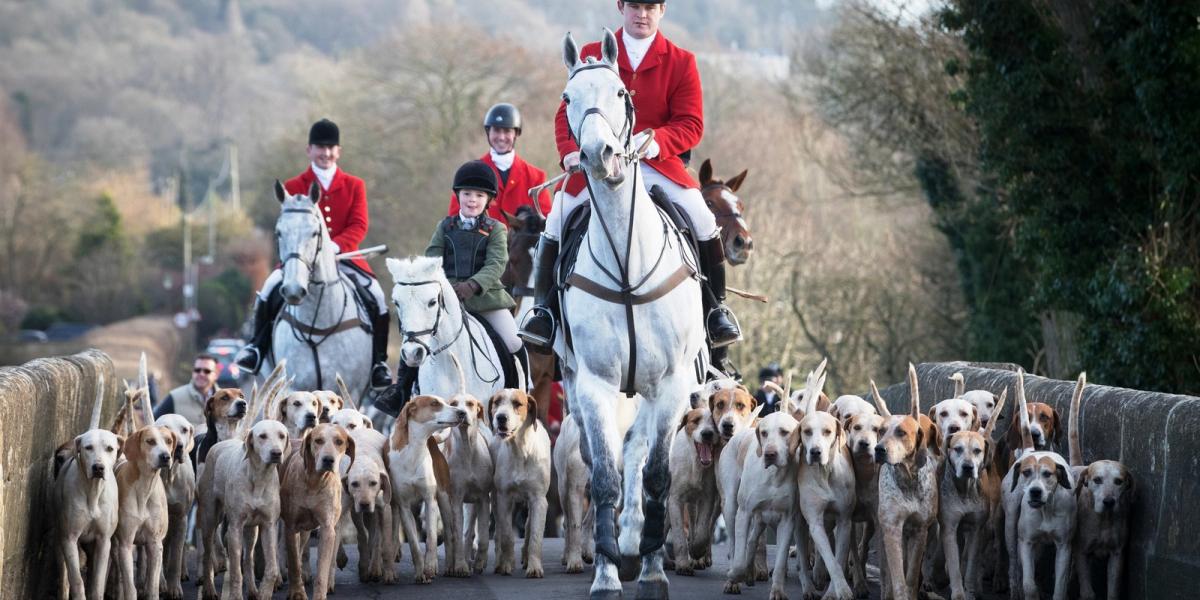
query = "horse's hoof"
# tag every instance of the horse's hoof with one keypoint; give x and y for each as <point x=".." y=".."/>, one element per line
<point x="652" y="590"/>
<point x="605" y="595"/>
<point x="629" y="568"/>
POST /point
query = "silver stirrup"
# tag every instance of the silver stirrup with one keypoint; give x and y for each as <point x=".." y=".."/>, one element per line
<point x="538" y="340"/>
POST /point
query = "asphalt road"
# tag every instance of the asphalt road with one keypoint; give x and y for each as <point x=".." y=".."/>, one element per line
<point x="556" y="585"/>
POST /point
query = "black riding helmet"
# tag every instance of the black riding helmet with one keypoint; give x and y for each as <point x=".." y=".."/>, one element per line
<point x="503" y="115"/>
<point x="476" y="175"/>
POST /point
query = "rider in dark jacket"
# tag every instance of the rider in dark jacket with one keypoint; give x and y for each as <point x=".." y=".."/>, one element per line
<point x="474" y="251"/>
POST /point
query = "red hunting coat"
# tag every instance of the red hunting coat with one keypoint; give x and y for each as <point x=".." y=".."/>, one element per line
<point x="515" y="193"/>
<point x="344" y="205"/>
<point x="666" y="97"/>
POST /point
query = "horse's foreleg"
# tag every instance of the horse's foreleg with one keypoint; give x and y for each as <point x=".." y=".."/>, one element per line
<point x="656" y="481"/>
<point x="601" y="435"/>
<point x="636" y="450"/>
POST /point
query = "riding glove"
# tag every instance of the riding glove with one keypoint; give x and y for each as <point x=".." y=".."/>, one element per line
<point x="466" y="289"/>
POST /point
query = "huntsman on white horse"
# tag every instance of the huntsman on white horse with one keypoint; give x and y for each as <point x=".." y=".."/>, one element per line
<point x="632" y="323"/>
<point x="320" y="330"/>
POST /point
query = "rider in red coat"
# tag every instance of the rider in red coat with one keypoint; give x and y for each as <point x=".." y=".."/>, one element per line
<point x="664" y="84"/>
<point x="344" y="206"/>
<point x="502" y="125"/>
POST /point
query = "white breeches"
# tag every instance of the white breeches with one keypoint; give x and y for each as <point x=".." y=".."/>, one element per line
<point x="504" y="324"/>
<point x="689" y="200"/>
<point x="276" y="277"/>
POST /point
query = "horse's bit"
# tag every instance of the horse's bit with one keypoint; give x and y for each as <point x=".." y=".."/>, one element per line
<point x="308" y="264"/>
<point x="412" y="336"/>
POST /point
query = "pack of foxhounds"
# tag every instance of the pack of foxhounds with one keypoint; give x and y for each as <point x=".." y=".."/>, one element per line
<point x="953" y="501"/>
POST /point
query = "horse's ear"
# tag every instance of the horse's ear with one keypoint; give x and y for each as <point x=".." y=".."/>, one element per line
<point x="570" y="51"/>
<point x="509" y="217"/>
<point x="736" y="182"/>
<point x="314" y="191"/>
<point x="609" y="47"/>
<point x="705" y="172"/>
<point x="280" y="193"/>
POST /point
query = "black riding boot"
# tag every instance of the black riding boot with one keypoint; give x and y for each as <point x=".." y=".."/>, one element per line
<point x="538" y="328"/>
<point x="722" y="328"/>
<point x="392" y="400"/>
<point x="251" y="355"/>
<point x="381" y="377"/>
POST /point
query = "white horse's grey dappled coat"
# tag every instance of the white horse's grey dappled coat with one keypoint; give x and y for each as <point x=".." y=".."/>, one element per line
<point x="670" y="330"/>
<point x="316" y="294"/>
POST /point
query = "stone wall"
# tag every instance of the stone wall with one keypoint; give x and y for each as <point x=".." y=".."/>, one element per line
<point x="43" y="403"/>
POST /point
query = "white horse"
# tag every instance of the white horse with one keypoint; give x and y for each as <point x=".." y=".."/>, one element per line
<point x="319" y="331"/>
<point x="434" y="325"/>
<point x="628" y="245"/>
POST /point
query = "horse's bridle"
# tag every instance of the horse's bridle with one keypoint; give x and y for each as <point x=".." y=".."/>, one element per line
<point x="735" y="213"/>
<point x="412" y="336"/>
<point x="626" y="132"/>
<point x="320" y="244"/>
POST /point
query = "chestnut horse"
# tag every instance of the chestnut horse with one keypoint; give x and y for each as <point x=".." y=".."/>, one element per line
<point x="722" y="200"/>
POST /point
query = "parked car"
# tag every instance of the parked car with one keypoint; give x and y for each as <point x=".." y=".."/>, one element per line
<point x="225" y="349"/>
<point x="32" y="335"/>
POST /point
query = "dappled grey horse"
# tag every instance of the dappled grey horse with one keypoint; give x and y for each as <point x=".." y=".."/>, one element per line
<point x="632" y="316"/>
<point x="320" y="331"/>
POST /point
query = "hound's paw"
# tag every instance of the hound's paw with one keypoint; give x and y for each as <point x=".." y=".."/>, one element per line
<point x="388" y="576"/>
<point x="480" y="565"/>
<point x="929" y="595"/>
<point x="811" y="594"/>
<point x="534" y="572"/>
<point x="838" y="592"/>
<point x="575" y="566"/>
<point x="684" y="568"/>
<point x="761" y="574"/>
<point x="174" y="592"/>
<point x="504" y="569"/>
<point x="778" y="595"/>
<point x="342" y="558"/>
<point x="958" y="596"/>
<point x="589" y="558"/>
<point x="209" y="596"/>
<point x="732" y="587"/>
<point x="458" y="571"/>
<point x="423" y="578"/>
<point x="297" y="595"/>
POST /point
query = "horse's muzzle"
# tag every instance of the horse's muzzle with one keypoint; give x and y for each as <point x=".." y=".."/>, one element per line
<point x="413" y="354"/>
<point x="293" y="293"/>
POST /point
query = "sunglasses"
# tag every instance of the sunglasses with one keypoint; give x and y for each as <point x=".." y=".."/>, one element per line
<point x="202" y="370"/>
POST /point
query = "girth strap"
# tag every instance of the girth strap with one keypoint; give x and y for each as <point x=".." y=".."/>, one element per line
<point x="680" y="275"/>
<point x="305" y="328"/>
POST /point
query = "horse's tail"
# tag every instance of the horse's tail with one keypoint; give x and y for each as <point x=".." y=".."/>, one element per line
<point x="462" y="378"/>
